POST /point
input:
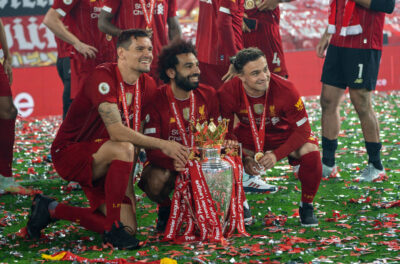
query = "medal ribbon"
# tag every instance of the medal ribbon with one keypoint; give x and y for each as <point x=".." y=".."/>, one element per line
<point x="258" y="134"/>
<point x="136" y="102"/>
<point x="179" y="119"/>
<point x="148" y="15"/>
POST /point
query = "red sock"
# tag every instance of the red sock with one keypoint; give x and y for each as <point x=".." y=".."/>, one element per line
<point x="115" y="188"/>
<point x="7" y="135"/>
<point x="310" y="174"/>
<point x="85" y="217"/>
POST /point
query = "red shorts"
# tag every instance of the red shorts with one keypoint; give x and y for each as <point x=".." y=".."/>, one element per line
<point x="274" y="144"/>
<point x="211" y="74"/>
<point x="5" y="89"/>
<point x="74" y="163"/>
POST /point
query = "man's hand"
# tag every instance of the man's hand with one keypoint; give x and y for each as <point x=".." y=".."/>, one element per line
<point x="251" y="166"/>
<point x="268" y="160"/>
<point x="230" y="144"/>
<point x="86" y="50"/>
<point x="323" y="45"/>
<point x="8" y="69"/>
<point x="178" y="166"/>
<point x="176" y="151"/>
<point x="268" y="5"/>
<point x="230" y="74"/>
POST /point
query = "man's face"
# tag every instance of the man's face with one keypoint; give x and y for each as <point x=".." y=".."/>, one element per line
<point x="255" y="75"/>
<point x="187" y="72"/>
<point x="139" y="55"/>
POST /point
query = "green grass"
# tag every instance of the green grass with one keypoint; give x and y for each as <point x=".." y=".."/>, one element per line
<point x="362" y="232"/>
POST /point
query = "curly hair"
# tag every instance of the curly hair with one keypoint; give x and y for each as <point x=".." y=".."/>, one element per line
<point x="125" y="39"/>
<point x="245" y="56"/>
<point x="168" y="56"/>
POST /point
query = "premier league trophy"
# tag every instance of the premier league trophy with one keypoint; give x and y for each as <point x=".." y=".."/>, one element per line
<point x="217" y="172"/>
<point x="207" y="204"/>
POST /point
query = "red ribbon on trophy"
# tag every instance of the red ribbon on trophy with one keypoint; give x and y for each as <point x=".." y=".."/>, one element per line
<point x="192" y="205"/>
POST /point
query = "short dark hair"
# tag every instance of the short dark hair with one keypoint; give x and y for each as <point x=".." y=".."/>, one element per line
<point x="245" y="56"/>
<point x="168" y="56"/>
<point x="125" y="39"/>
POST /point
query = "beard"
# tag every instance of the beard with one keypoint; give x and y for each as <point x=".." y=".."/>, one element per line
<point x="184" y="82"/>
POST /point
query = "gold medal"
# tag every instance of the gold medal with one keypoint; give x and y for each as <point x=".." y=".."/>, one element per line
<point x="249" y="4"/>
<point x="108" y="37"/>
<point x="258" y="156"/>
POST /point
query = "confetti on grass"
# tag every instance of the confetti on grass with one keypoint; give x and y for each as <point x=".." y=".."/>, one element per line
<point x="358" y="222"/>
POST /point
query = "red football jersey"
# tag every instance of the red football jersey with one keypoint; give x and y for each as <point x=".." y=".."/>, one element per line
<point x="219" y="34"/>
<point x="372" y="29"/>
<point x="83" y="122"/>
<point x="286" y="118"/>
<point x="266" y="37"/>
<point x="63" y="48"/>
<point x="83" y="16"/>
<point x="129" y="14"/>
<point x="161" y="123"/>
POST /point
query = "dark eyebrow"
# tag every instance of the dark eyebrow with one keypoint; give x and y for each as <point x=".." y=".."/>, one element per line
<point x="256" y="71"/>
<point x="188" y="64"/>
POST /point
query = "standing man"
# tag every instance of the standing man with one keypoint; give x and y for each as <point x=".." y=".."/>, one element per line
<point x="179" y="69"/>
<point x="95" y="146"/>
<point x="90" y="46"/>
<point x="354" y="40"/>
<point x="156" y="16"/>
<point x="273" y="124"/>
<point x="64" y="71"/>
<point x="219" y="36"/>
<point x="8" y="114"/>
<point x="261" y="30"/>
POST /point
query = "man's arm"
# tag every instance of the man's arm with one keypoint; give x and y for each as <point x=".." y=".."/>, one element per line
<point x="174" y="28"/>
<point x="6" y="52"/>
<point x="53" y="21"/>
<point x="386" y="6"/>
<point x="105" y="25"/>
<point x="323" y="44"/>
<point x="118" y="132"/>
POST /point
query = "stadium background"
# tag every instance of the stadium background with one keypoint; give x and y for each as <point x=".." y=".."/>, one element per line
<point x="37" y="89"/>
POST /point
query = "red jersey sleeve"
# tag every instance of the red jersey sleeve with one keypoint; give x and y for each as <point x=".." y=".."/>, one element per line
<point x="111" y="6"/>
<point x="228" y="100"/>
<point x="295" y="112"/>
<point x="152" y="128"/>
<point x="171" y="9"/>
<point x="64" y="7"/>
<point x="101" y="87"/>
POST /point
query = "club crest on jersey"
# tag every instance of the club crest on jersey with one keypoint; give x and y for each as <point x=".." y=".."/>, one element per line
<point x="299" y="105"/>
<point x="258" y="108"/>
<point x="147" y="118"/>
<point x="201" y="110"/>
<point x="129" y="97"/>
<point x="104" y="88"/>
<point x="67" y="2"/>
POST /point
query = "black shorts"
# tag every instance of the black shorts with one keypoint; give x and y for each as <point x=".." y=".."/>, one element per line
<point x="353" y="68"/>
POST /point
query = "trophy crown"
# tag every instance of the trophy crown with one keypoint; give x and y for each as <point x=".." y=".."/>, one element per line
<point x="209" y="134"/>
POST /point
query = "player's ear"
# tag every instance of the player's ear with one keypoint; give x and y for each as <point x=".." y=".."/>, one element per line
<point x="120" y="52"/>
<point x="171" y="73"/>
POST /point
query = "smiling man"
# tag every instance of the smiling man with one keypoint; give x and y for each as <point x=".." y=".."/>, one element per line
<point x="95" y="146"/>
<point x="273" y="124"/>
<point x="176" y="104"/>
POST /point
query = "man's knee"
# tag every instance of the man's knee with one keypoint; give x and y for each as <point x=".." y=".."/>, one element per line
<point x="157" y="183"/>
<point x="124" y="151"/>
<point x="361" y="100"/>
<point x="307" y="148"/>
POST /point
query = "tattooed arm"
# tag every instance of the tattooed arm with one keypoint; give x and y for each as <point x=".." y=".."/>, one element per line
<point x="118" y="132"/>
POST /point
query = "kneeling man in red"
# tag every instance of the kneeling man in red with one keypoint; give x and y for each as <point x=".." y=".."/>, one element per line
<point x="97" y="142"/>
<point x="202" y="208"/>
<point x="273" y="124"/>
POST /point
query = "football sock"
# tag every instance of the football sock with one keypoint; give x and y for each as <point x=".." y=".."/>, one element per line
<point x="310" y="174"/>
<point x="7" y="135"/>
<point x="374" y="154"/>
<point x="116" y="183"/>
<point x="86" y="217"/>
<point x="328" y="151"/>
